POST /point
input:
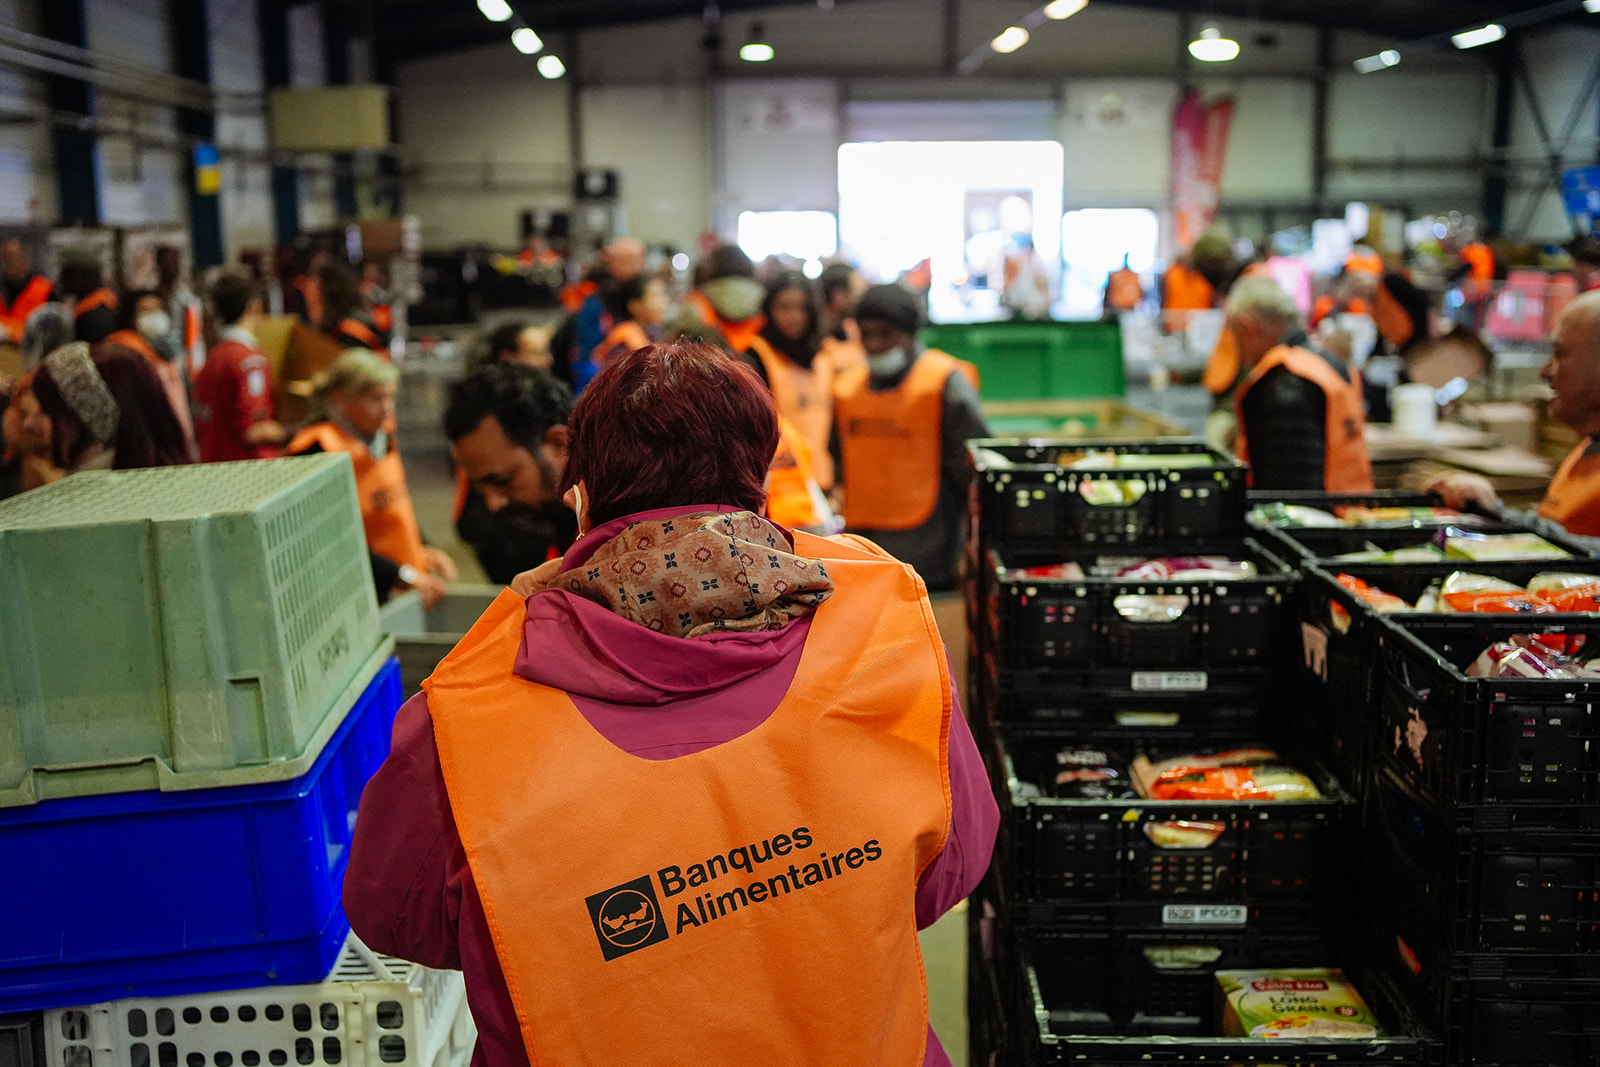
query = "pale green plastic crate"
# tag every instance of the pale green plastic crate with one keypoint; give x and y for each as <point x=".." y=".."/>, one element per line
<point x="180" y="627"/>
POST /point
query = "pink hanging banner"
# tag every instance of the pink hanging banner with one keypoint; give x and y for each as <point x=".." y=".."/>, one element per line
<point x="1199" y="150"/>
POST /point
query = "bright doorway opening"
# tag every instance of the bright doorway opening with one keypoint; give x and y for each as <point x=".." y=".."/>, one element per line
<point x="809" y="236"/>
<point x="1093" y="242"/>
<point x="960" y="217"/>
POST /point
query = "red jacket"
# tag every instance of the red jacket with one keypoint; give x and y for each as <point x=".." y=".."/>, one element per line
<point x="409" y="891"/>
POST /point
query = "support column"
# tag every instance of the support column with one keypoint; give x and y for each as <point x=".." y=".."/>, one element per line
<point x="192" y="54"/>
<point x="1495" y="182"/>
<point x="336" y="61"/>
<point x="273" y="26"/>
<point x="1319" y="119"/>
<point x="77" y="181"/>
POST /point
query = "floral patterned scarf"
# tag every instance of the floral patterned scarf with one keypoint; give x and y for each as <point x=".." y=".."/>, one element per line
<point x="703" y="573"/>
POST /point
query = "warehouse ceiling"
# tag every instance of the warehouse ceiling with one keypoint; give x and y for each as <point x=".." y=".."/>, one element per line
<point x="410" y="29"/>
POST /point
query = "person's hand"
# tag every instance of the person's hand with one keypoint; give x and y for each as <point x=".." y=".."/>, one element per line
<point x="530" y="582"/>
<point x="1458" y="489"/>
<point x="431" y="588"/>
<point x="440" y="563"/>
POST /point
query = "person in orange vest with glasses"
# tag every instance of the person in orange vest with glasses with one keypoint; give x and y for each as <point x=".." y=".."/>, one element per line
<point x="687" y="794"/>
<point x="1572" y="501"/>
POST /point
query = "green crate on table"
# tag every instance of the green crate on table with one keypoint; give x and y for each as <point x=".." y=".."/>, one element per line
<point x="1036" y="360"/>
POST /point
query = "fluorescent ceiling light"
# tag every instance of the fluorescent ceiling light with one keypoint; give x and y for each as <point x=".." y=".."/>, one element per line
<point x="1482" y="35"/>
<point x="1386" y="58"/>
<point x="495" y="10"/>
<point x="551" y="66"/>
<point x="526" y="40"/>
<point x="756" y="52"/>
<point x="1060" y="9"/>
<point x="1010" y="39"/>
<point x="1212" y="47"/>
<point x="1592" y="6"/>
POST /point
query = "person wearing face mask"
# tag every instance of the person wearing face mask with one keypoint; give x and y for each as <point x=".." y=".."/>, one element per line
<point x="145" y="327"/>
<point x="901" y="426"/>
<point x="357" y="394"/>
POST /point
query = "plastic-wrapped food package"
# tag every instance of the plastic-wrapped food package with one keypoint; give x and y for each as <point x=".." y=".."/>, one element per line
<point x="1465" y="591"/>
<point x="1293" y="515"/>
<point x="1408" y="554"/>
<point x="1533" y="656"/>
<point x="1567" y="592"/>
<point x="1086" y="773"/>
<point x="1460" y="543"/>
<point x="1196" y="567"/>
<point x="1300" y="1003"/>
<point x="1237" y="774"/>
<point x="1070" y="571"/>
<point x="1371" y="595"/>
<point x="1354" y="515"/>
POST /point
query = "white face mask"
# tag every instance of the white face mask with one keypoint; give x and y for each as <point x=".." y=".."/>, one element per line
<point x="154" y="324"/>
<point x="887" y="363"/>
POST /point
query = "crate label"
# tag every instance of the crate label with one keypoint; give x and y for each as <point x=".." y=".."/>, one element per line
<point x="1314" y="639"/>
<point x="1184" y="681"/>
<point x="1204" y="914"/>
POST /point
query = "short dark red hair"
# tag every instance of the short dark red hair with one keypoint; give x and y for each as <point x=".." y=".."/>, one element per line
<point x="671" y="425"/>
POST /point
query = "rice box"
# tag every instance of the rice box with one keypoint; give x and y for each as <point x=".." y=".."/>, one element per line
<point x="1309" y="1003"/>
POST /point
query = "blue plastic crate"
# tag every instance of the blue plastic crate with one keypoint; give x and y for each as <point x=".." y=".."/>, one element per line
<point x="157" y="894"/>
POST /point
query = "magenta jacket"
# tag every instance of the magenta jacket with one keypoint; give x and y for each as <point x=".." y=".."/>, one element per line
<point x="408" y="890"/>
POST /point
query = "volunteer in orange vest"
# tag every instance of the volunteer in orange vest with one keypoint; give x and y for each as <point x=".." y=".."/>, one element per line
<point x="146" y="328"/>
<point x="22" y="289"/>
<point x="1301" y="423"/>
<point x="1184" y="291"/>
<point x="638" y="808"/>
<point x="345" y="317"/>
<point x="356" y="393"/>
<point x="901" y="426"/>
<point x="841" y="285"/>
<point x="1572" y="501"/>
<point x="796" y="368"/>
<point x="94" y="306"/>
<point x="1123" y="291"/>
<point x="636" y="307"/>
<point x="725" y="305"/>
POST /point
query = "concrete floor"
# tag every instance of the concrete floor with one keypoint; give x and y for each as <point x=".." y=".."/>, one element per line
<point x="944" y="945"/>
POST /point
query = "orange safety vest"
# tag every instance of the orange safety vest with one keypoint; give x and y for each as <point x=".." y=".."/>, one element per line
<point x="572" y="296"/>
<point x="387" y="517"/>
<point x="1123" y="291"/>
<point x="171" y="375"/>
<point x="1186" y="290"/>
<point x="890" y="442"/>
<point x="1479" y="258"/>
<point x="848" y="353"/>
<point x="1327" y="304"/>
<point x="791" y="481"/>
<point x="1346" y="467"/>
<point x="97" y="299"/>
<point x="1394" y="325"/>
<point x="804" y="397"/>
<point x="626" y="336"/>
<point x="1573" y="498"/>
<point x="35" y="293"/>
<point x="364" y="333"/>
<point x="749" y="903"/>
<point x="739" y="335"/>
<point x="1370" y="263"/>
<point x="1222" y="369"/>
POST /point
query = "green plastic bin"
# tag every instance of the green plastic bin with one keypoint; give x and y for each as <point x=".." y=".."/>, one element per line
<point x="180" y="627"/>
<point x="1037" y="360"/>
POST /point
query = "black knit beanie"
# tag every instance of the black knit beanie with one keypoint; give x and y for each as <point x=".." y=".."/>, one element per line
<point x="889" y="304"/>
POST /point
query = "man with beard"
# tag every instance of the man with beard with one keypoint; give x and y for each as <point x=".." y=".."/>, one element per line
<point x="507" y="429"/>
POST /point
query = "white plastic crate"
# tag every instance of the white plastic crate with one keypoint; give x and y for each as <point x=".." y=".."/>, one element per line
<point x="372" y="1010"/>
<point x="168" y="626"/>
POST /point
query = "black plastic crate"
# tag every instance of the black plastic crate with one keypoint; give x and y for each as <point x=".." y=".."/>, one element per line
<point x="1321" y="545"/>
<point x="1087" y="632"/>
<point x="1136" y="999"/>
<point x="1508" y="904"/>
<point x="1493" y="1025"/>
<point x="22" y="1040"/>
<point x="1096" y="861"/>
<point x="1485" y="741"/>
<point x="1024" y="497"/>
<point x="1337" y="634"/>
<point x="1035" y="698"/>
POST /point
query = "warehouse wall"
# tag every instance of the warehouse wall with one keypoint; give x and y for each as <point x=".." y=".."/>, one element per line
<point x="1561" y="63"/>
<point x="241" y="134"/>
<point x="140" y="183"/>
<point x="27" y="187"/>
<point x="657" y="138"/>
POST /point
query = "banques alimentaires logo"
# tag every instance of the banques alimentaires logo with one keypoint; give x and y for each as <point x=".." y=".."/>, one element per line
<point x="629" y="917"/>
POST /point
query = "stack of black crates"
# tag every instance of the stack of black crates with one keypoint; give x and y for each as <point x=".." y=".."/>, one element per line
<point x="1092" y="940"/>
<point x="1479" y="802"/>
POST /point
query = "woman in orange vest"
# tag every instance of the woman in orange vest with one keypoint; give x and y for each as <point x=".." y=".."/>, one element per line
<point x="1184" y="291"/>
<point x="796" y="368"/>
<point x="345" y="317"/>
<point x="357" y="393"/>
<point x="146" y="328"/>
<point x="765" y="831"/>
<point x="637" y="307"/>
<point x="901" y="426"/>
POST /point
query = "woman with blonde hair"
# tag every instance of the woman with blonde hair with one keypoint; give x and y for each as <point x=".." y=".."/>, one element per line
<point x="356" y="396"/>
